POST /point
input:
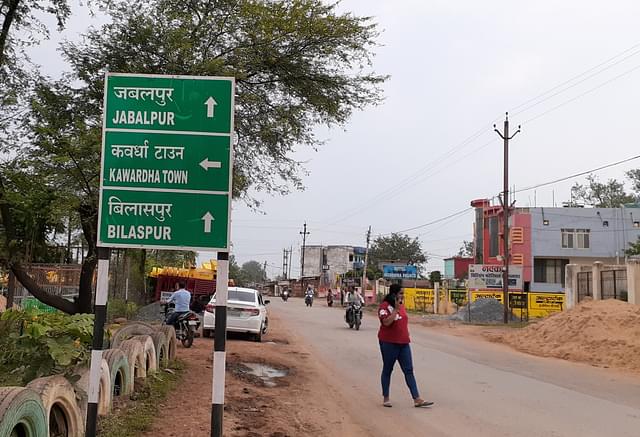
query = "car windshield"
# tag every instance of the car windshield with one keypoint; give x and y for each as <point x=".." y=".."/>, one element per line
<point x="241" y="296"/>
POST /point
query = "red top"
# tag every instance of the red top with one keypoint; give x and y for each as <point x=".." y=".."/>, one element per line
<point x="398" y="331"/>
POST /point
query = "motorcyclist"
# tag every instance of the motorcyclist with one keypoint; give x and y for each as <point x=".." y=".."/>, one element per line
<point x="353" y="297"/>
<point x="181" y="298"/>
<point x="309" y="293"/>
<point x="329" y="297"/>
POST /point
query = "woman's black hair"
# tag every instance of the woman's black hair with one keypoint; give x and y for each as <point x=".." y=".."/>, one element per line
<point x="390" y="298"/>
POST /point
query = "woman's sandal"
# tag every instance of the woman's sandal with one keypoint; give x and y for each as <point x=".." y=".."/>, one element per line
<point x="423" y="404"/>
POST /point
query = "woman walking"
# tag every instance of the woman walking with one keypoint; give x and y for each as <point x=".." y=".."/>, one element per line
<point x="394" y="345"/>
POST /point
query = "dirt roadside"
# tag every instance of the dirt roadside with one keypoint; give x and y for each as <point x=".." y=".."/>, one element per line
<point x="298" y="404"/>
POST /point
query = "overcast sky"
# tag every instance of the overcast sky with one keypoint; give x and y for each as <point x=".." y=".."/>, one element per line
<point x="429" y="149"/>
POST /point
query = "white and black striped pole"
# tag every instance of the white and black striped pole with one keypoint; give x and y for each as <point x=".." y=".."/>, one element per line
<point x="219" y="346"/>
<point x="102" y="288"/>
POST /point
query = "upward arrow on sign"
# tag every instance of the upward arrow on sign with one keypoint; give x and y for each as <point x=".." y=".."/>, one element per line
<point x="211" y="107"/>
<point x="208" y="219"/>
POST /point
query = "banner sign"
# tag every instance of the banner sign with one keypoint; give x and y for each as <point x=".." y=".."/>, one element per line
<point x="399" y="272"/>
<point x="489" y="277"/>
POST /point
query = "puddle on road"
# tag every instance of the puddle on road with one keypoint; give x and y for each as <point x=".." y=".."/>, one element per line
<point x="265" y="373"/>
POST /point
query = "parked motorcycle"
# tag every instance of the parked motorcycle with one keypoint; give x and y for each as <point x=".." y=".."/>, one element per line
<point x="308" y="300"/>
<point x="186" y="325"/>
<point x="353" y="316"/>
<point x="285" y="295"/>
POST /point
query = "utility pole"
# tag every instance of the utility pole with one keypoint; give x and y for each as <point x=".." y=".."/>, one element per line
<point x="366" y="260"/>
<point x="304" y="234"/>
<point x="264" y="271"/>
<point x="284" y="263"/>
<point x="290" y="261"/>
<point x="505" y="209"/>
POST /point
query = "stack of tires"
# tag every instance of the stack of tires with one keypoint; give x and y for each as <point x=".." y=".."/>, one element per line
<point x="54" y="406"/>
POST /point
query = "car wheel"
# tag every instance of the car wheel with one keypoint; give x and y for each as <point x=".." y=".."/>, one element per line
<point x="257" y="337"/>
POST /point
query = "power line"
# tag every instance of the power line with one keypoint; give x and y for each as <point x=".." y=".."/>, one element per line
<point x="555" y="181"/>
<point x="429" y="223"/>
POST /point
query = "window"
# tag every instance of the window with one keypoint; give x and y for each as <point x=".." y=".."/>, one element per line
<point x="493" y="236"/>
<point x="550" y="271"/>
<point x="575" y="238"/>
<point x="350" y="257"/>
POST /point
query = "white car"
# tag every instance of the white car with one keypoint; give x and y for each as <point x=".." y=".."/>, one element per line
<point x="246" y="313"/>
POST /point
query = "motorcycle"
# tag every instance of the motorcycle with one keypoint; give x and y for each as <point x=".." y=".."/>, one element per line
<point x="330" y="299"/>
<point x="186" y="325"/>
<point x="285" y="296"/>
<point x="308" y="300"/>
<point x="353" y="316"/>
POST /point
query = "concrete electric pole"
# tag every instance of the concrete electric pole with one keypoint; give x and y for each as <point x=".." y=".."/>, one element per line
<point x="304" y="234"/>
<point x="366" y="260"/>
<point x="505" y="209"/>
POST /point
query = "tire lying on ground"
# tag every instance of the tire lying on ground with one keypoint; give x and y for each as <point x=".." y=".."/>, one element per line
<point x="170" y="333"/>
<point x="162" y="348"/>
<point x="130" y="330"/>
<point x="21" y="413"/>
<point x="150" y="358"/>
<point x="120" y="371"/>
<point x="64" y="417"/>
<point x="134" y="351"/>
<point x="104" y="390"/>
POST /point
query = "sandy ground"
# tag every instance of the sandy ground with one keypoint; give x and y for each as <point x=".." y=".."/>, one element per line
<point x="599" y="333"/>
<point x="301" y="404"/>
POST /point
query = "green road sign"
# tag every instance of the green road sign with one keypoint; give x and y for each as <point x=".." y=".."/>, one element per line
<point x="166" y="162"/>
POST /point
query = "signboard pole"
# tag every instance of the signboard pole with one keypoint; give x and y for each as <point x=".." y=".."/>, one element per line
<point x="219" y="347"/>
<point x="102" y="288"/>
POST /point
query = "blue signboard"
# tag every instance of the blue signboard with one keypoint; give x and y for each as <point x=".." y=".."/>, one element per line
<point x="399" y="272"/>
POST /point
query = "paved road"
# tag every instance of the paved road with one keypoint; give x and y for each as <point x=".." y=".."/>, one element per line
<point x="480" y="389"/>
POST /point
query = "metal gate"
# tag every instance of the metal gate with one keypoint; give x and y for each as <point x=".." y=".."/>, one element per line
<point x="585" y="285"/>
<point x="614" y="284"/>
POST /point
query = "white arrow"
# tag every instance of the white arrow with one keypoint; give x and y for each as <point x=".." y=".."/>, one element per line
<point x="211" y="107"/>
<point x="208" y="218"/>
<point x="206" y="164"/>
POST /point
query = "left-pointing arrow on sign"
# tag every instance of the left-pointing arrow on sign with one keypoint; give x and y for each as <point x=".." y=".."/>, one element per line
<point x="206" y="164"/>
<point x="208" y="219"/>
<point x="211" y="107"/>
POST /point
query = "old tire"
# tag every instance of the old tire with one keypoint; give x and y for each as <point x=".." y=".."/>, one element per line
<point x="134" y="351"/>
<point x="170" y="333"/>
<point x="162" y="346"/>
<point x="64" y="416"/>
<point x="150" y="359"/>
<point x="104" y="391"/>
<point x="120" y="371"/>
<point x="130" y="330"/>
<point x="21" y="411"/>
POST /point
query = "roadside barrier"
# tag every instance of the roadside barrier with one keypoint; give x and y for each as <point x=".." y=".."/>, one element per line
<point x="135" y="355"/>
<point x="150" y="359"/>
<point x="58" y="396"/>
<point x="172" y="343"/>
<point x="21" y="413"/>
<point x="121" y="376"/>
<point x="162" y="348"/>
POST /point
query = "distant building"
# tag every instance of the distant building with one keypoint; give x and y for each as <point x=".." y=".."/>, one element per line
<point x="326" y="262"/>
<point x="544" y="240"/>
<point x="457" y="268"/>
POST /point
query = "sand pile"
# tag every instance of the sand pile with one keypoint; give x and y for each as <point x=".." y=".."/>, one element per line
<point x="603" y="333"/>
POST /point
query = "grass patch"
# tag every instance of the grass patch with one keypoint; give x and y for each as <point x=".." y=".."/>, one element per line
<point x="133" y="416"/>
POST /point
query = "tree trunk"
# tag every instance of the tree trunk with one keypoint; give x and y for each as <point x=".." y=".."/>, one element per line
<point x="89" y="222"/>
<point x="11" y="289"/>
<point x="47" y="298"/>
<point x="9" y="16"/>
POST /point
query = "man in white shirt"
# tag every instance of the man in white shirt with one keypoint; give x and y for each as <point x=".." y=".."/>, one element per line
<point x="181" y="298"/>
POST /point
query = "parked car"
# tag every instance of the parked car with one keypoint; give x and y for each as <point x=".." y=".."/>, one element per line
<point x="246" y="313"/>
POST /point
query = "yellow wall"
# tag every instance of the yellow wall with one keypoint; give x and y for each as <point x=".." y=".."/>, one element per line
<point x="540" y="304"/>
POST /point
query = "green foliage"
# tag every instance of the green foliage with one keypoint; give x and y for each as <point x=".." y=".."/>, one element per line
<point x="435" y="276"/>
<point x="170" y="258"/>
<point x="297" y="63"/>
<point x="253" y="272"/>
<point x="634" y="248"/>
<point x="120" y="308"/>
<point x="395" y="248"/>
<point x="610" y="194"/>
<point x="466" y="250"/>
<point x="40" y="344"/>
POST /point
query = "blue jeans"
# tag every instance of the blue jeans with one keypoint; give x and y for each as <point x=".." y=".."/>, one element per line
<point x="392" y="352"/>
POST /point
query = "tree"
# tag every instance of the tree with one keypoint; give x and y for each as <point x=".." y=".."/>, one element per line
<point x="170" y="258"/>
<point x="466" y="250"/>
<point x="253" y="272"/>
<point x="601" y="195"/>
<point x="634" y="248"/>
<point x="435" y="277"/>
<point x="396" y="248"/>
<point x="297" y="63"/>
